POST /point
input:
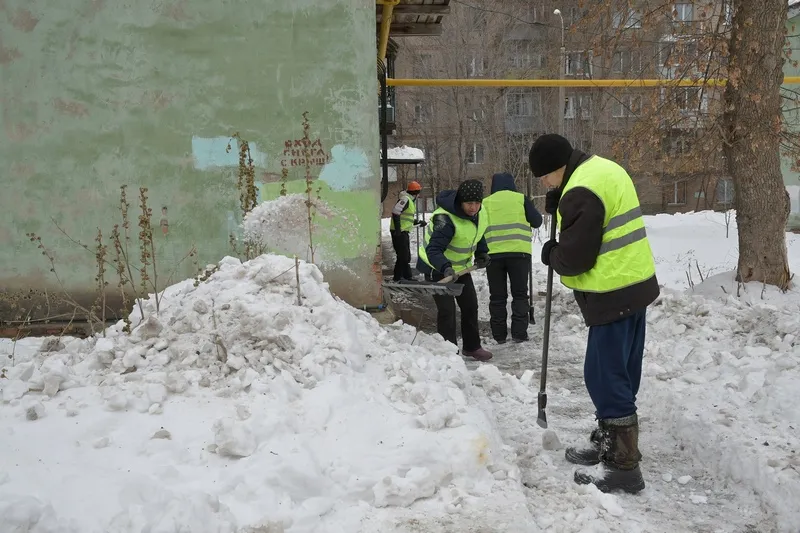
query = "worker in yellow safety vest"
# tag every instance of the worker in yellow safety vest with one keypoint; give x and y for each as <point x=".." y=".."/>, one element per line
<point x="511" y="216"/>
<point x="604" y="256"/>
<point x="451" y="240"/>
<point x="404" y="218"/>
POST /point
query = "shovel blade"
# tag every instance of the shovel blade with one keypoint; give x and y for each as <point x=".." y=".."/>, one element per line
<point x="423" y="288"/>
<point x="542" y="416"/>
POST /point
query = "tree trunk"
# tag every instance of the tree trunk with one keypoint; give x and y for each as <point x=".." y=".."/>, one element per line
<point x="753" y="124"/>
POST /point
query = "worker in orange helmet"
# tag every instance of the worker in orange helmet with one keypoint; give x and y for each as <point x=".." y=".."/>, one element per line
<point x="404" y="218"/>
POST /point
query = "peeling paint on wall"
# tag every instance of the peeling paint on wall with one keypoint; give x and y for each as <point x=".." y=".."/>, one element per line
<point x="348" y="169"/>
<point x="213" y="153"/>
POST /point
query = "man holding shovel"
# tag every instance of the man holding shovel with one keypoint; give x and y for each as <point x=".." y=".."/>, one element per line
<point x="604" y="256"/>
<point x="453" y="236"/>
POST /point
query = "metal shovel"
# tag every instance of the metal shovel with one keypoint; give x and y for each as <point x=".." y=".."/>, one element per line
<point x="542" y="418"/>
<point x="443" y="287"/>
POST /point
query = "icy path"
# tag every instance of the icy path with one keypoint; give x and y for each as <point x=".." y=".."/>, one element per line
<point x="717" y="404"/>
<point x="708" y="502"/>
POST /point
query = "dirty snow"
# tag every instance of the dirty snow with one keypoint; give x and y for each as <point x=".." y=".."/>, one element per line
<point x="237" y="408"/>
<point x="717" y="403"/>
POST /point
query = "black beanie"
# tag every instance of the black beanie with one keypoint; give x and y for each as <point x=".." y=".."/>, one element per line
<point x="469" y="191"/>
<point x="548" y="153"/>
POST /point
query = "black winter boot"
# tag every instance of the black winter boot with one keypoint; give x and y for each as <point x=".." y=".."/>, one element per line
<point x="619" y="453"/>
<point x="589" y="455"/>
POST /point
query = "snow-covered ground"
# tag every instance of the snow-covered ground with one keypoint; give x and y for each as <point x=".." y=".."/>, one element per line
<point x="719" y="427"/>
<point x="239" y="409"/>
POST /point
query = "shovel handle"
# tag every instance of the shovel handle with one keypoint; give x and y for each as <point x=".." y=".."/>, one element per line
<point x="448" y="279"/>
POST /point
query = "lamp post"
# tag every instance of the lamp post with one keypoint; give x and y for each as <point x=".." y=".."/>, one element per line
<point x="561" y="97"/>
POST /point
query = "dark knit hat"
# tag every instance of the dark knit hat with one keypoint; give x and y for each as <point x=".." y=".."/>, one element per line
<point x="469" y="191"/>
<point x="548" y="153"/>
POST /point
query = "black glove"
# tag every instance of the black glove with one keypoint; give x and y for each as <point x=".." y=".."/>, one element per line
<point x="547" y="248"/>
<point x="421" y="223"/>
<point x="482" y="260"/>
<point x="450" y="272"/>
<point x="551" y="201"/>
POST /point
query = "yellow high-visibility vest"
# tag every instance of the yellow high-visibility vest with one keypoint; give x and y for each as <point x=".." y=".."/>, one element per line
<point x="461" y="249"/>
<point x="406" y="217"/>
<point x="508" y="229"/>
<point x="625" y="257"/>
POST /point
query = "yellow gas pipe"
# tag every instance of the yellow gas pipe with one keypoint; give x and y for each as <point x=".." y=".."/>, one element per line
<point x="386" y="25"/>
<point x="404" y="82"/>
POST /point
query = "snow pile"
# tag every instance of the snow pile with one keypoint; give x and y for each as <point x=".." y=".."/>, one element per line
<point x="281" y="225"/>
<point x="237" y="408"/>
<point x="731" y="368"/>
<point x="405" y="153"/>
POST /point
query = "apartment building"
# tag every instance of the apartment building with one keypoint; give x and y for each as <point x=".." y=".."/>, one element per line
<point x="664" y="136"/>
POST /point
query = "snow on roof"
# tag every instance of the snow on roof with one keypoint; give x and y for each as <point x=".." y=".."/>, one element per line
<point x="406" y="153"/>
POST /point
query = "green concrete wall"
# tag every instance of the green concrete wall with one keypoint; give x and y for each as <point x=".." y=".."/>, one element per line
<point x="95" y="94"/>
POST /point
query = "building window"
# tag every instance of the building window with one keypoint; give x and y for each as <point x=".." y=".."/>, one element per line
<point x="687" y="99"/>
<point x="521" y="54"/>
<point x="727" y="12"/>
<point x="578" y="106"/>
<point x="629" y="19"/>
<point x="477" y="66"/>
<point x="626" y="61"/>
<point x="422" y="66"/>
<point x="479" y="19"/>
<point x="422" y="113"/>
<point x="578" y="64"/>
<point x="575" y="15"/>
<point x="521" y="103"/>
<point x="725" y="191"/>
<point x="675" y="194"/>
<point x="627" y="106"/>
<point x="683" y="12"/>
<point x="477" y="107"/>
<point x="680" y="145"/>
<point x="476" y="154"/>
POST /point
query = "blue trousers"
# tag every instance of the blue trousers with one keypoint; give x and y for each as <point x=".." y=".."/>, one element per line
<point x="612" y="369"/>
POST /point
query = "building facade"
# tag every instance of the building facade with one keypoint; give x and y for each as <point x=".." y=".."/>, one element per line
<point x="659" y="135"/>
<point x="790" y="160"/>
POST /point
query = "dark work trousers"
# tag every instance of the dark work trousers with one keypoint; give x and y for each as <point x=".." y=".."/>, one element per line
<point x="501" y="270"/>
<point x="402" y="247"/>
<point x="446" y="314"/>
<point x="613" y="366"/>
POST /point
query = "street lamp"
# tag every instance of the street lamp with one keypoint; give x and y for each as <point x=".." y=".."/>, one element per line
<point x="561" y="97"/>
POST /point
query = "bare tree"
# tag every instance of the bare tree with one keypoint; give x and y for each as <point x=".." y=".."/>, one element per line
<point x="753" y="126"/>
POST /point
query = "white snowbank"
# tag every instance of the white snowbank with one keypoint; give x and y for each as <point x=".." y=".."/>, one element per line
<point x="406" y="153"/>
<point x="281" y="225"/>
<point x="236" y="408"/>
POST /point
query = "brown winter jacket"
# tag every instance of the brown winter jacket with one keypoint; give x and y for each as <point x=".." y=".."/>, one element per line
<point x="582" y="216"/>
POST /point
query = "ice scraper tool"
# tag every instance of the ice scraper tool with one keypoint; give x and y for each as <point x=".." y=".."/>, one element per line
<point x="443" y="287"/>
<point x="548" y="304"/>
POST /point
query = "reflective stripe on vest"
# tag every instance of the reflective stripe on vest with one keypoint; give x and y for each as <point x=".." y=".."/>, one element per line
<point x="625" y="256"/>
<point x="406" y="217"/>
<point x="508" y="229"/>
<point x="461" y="249"/>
